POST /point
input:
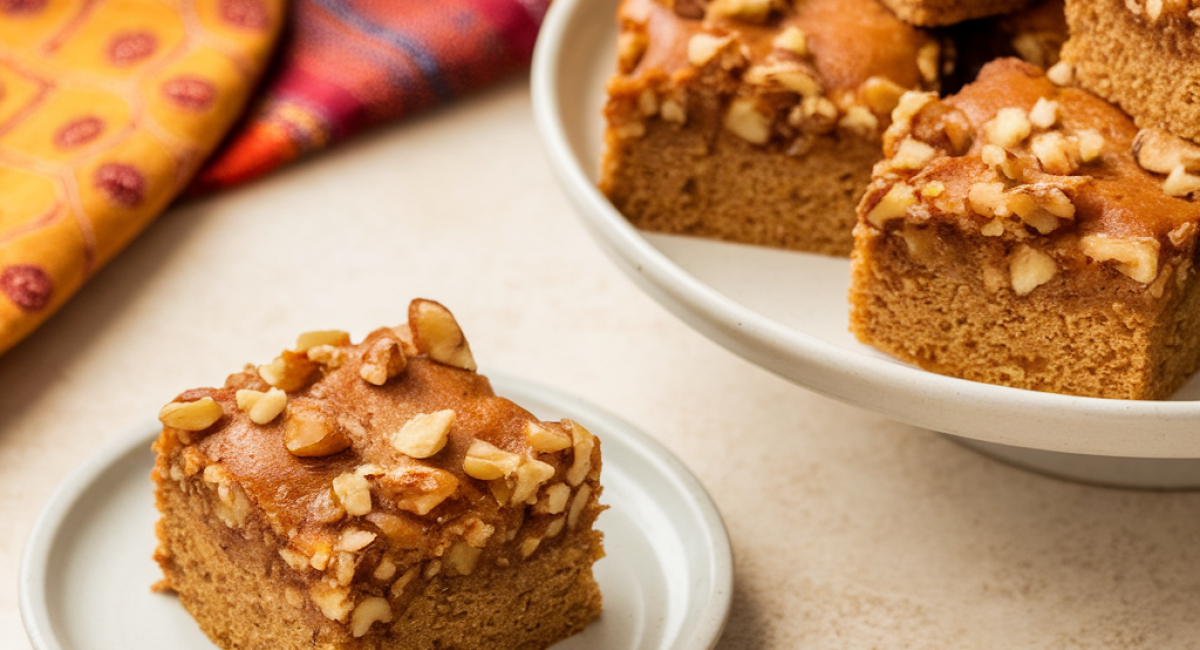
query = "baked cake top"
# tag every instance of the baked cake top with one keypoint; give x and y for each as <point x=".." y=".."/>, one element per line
<point x="396" y="438"/>
<point x="807" y="65"/>
<point x="1018" y="157"/>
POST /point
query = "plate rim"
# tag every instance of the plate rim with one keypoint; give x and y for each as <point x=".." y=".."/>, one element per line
<point x="704" y="630"/>
<point x="831" y="370"/>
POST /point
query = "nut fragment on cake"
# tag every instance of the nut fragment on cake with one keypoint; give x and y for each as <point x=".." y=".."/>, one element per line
<point x="1143" y="55"/>
<point x="755" y="121"/>
<point x="1055" y="252"/>
<point x="376" y="495"/>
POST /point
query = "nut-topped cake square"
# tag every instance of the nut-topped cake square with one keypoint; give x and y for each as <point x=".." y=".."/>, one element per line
<point x="755" y="121"/>
<point x="1027" y="234"/>
<point x="376" y="495"/>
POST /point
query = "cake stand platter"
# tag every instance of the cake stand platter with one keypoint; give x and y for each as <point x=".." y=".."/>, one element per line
<point x="787" y="311"/>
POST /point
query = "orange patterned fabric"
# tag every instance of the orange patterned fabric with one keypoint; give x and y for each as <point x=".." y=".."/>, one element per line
<point x="107" y="109"/>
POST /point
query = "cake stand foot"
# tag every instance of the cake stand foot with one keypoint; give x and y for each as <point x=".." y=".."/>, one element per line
<point x="1109" y="471"/>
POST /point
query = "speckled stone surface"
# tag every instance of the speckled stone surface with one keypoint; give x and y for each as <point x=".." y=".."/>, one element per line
<point x="849" y="531"/>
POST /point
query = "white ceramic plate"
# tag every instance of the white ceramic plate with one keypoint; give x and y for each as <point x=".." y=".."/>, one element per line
<point x="667" y="580"/>
<point x="787" y="311"/>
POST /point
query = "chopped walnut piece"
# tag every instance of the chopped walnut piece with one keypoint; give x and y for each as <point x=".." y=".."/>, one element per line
<point x="372" y="610"/>
<point x="928" y="61"/>
<point x="545" y="439"/>
<point x="631" y="45"/>
<point x="674" y="109"/>
<point x="418" y="489"/>
<point x="437" y="334"/>
<point x="814" y="115"/>
<point x="327" y="355"/>
<point x="555" y="527"/>
<point x="784" y="74"/>
<point x="911" y="103"/>
<point x="309" y="431"/>
<point x="1056" y="154"/>
<point x="894" y="205"/>
<point x="703" y="48"/>
<point x="1136" y="257"/>
<point x="987" y="199"/>
<point x="425" y="434"/>
<point x="261" y="407"/>
<point x="309" y="340"/>
<point x="881" y="94"/>
<point x="294" y="559"/>
<point x="354" y="539"/>
<point x="745" y="120"/>
<point x="384" y="358"/>
<point x="860" y="120"/>
<point x="1044" y="113"/>
<point x="530" y="476"/>
<point x="462" y="558"/>
<point x="1180" y="183"/>
<point x="750" y="11"/>
<point x="1061" y="74"/>
<point x="334" y="602"/>
<point x="191" y="416"/>
<point x="1091" y="145"/>
<point x="1009" y="128"/>
<point x="488" y="462"/>
<point x="1160" y="152"/>
<point x="288" y="372"/>
<point x="1029" y="269"/>
<point x="384" y="571"/>
<point x="584" y="442"/>
<point x="578" y="504"/>
<point x="912" y="154"/>
<point x="647" y="102"/>
<point x="555" y="499"/>
<point x="529" y="545"/>
<point x="792" y="39"/>
<point x="354" y="493"/>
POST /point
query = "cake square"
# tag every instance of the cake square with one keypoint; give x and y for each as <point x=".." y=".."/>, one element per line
<point x="1018" y="234"/>
<point x="755" y="121"/>
<point x="1143" y="55"/>
<point x="376" y="495"/>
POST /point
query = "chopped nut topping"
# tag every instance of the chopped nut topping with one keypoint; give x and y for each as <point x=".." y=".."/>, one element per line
<point x="746" y="121"/>
<point x="354" y="493"/>
<point x="881" y="94"/>
<point x="928" y="59"/>
<point x="383" y="360"/>
<point x="334" y="602"/>
<point x="785" y="74"/>
<point x="1061" y="74"/>
<point x="419" y="489"/>
<point x="529" y="545"/>
<point x="1160" y="152"/>
<point x="912" y="154"/>
<point x="631" y="45"/>
<point x="1056" y="154"/>
<point x="555" y="499"/>
<point x="933" y="189"/>
<point x="1009" y="128"/>
<point x="987" y="199"/>
<point x="584" y="442"/>
<point x="437" y="334"/>
<point x="1044" y="113"/>
<point x="288" y="372"/>
<point x="328" y="356"/>
<point x="1029" y="269"/>
<point x="703" y="48"/>
<point x="530" y="476"/>
<point x="403" y="581"/>
<point x="647" y="102"/>
<point x="860" y="120"/>
<point x="1136" y="257"/>
<point x="814" y="115"/>
<point x="893" y="205"/>
<point x="310" y="432"/>
<point x="555" y="527"/>
<point x="578" y="504"/>
<point x="750" y="11"/>
<point x="792" y="39"/>
<point x="1180" y="183"/>
<point x="261" y="407"/>
<point x="462" y="558"/>
<point x="370" y="611"/>
<point x="384" y="571"/>
<point x="674" y="110"/>
<point x="911" y="103"/>
<point x="545" y="439"/>
<point x="354" y="539"/>
<point x="488" y="462"/>
<point x="425" y="434"/>
<point x="191" y="416"/>
<point x="297" y="561"/>
<point x="309" y="340"/>
<point x="1091" y="145"/>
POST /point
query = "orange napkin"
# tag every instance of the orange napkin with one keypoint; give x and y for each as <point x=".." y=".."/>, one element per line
<point x="107" y="109"/>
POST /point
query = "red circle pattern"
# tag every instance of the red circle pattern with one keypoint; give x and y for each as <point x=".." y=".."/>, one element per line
<point x="27" y="285"/>
<point x="124" y="184"/>
<point x="127" y="49"/>
<point x="191" y="93"/>
<point x="78" y="132"/>
<point x="246" y="14"/>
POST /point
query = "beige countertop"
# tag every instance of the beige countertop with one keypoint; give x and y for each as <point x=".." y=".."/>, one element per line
<point x="848" y="531"/>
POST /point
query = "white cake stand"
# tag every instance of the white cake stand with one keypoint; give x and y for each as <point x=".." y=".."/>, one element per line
<point x="787" y="311"/>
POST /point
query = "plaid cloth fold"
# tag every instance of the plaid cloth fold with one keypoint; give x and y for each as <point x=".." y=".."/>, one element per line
<point x="351" y="64"/>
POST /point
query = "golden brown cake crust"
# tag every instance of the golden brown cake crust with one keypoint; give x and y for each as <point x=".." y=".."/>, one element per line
<point x="755" y="129"/>
<point x="938" y="13"/>
<point x="1142" y="56"/>
<point x="376" y="495"/>
<point x="1037" y="253"/>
